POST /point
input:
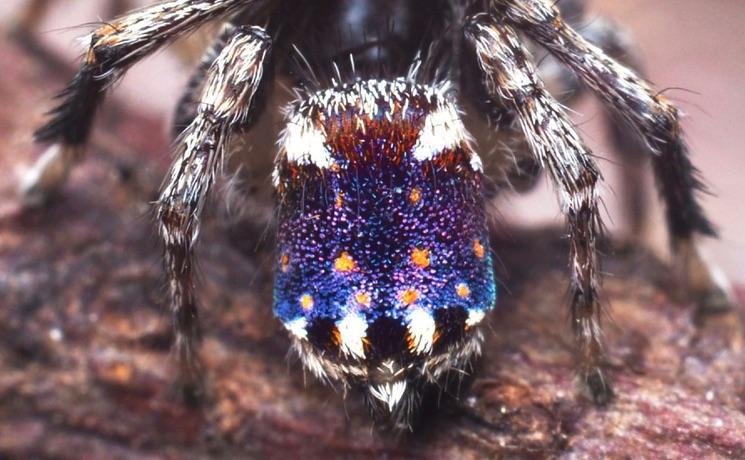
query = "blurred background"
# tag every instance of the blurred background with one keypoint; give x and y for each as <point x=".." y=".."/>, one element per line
<point x="694" y="47"/>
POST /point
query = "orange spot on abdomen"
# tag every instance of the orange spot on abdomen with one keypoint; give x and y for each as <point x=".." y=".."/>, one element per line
<point x="306" y="301"/>
<point x="415" y="196"/>
<point x="420" y="257"/>
<point x="344" y="263"/>
<point x="478" y="249"/>
<point x="409" y="296"/>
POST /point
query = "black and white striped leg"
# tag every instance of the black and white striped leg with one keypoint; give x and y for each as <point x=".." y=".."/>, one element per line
<point x="228" y="103"/>
<point x="114" y="47"/>
<point x="655" y="119"/>
<point x="186" y="109"/>
<point x="632" y="151"/>
<point x="509" y="75"/>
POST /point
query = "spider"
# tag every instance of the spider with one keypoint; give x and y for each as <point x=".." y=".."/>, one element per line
<point x="383" y="266"/>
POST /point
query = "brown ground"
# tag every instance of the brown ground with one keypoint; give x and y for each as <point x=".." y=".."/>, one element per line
<point x="84" y="361"/>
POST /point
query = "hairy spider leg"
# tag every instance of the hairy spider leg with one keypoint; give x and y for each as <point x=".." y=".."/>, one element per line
<point x="114" y="47"/>
<point x="228" y="102"/>
<point x="632" y="151"/>
<point x="655" y="119"/>
<point x="509" y="75"/>
<point x="187" y="106"/>
<point x="522" y="172"/>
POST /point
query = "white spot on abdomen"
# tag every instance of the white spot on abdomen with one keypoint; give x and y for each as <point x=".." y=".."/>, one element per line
<point x="297" y="327"/>
<point x="352" y="331"/>
<point x="304" y="143"/>
<point x="475" y="317"/>
<point x="422" y="330"/>
<point x="444" y="130"/>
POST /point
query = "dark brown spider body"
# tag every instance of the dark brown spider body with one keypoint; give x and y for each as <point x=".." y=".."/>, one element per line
<point x="383" y="271"/>
<point x="382" y="36"/>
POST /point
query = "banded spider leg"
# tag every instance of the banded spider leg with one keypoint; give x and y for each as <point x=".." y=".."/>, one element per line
<point x="655" y="119"/>
<point x="228" y="102"/>
<point x="114" y="47"/>
<point x="509" y="75"/>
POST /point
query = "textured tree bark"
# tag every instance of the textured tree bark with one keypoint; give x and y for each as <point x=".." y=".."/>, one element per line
<point x="85" y="370"/>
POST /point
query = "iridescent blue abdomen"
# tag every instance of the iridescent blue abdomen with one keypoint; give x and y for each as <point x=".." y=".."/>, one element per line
<point x="383" y="255"/>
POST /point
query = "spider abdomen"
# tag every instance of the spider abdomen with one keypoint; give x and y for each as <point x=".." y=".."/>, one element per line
<point x="383" y="261"/>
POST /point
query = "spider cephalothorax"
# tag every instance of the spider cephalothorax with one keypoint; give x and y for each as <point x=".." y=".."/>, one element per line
<point x="383" y="266"/>
<point x="383" y="271"/>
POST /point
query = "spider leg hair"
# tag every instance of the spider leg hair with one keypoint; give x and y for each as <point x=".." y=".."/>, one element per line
<point x="113" y="48"/>
<point x="186" y="108"/>
<point x="658" y="123"/>
<point x="509" y="74"/>
<point x="631" y="149"/>
<point x="229" y="102"/>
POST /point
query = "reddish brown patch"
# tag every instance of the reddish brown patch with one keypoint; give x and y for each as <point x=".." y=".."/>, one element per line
<point x="107" y="35"/>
